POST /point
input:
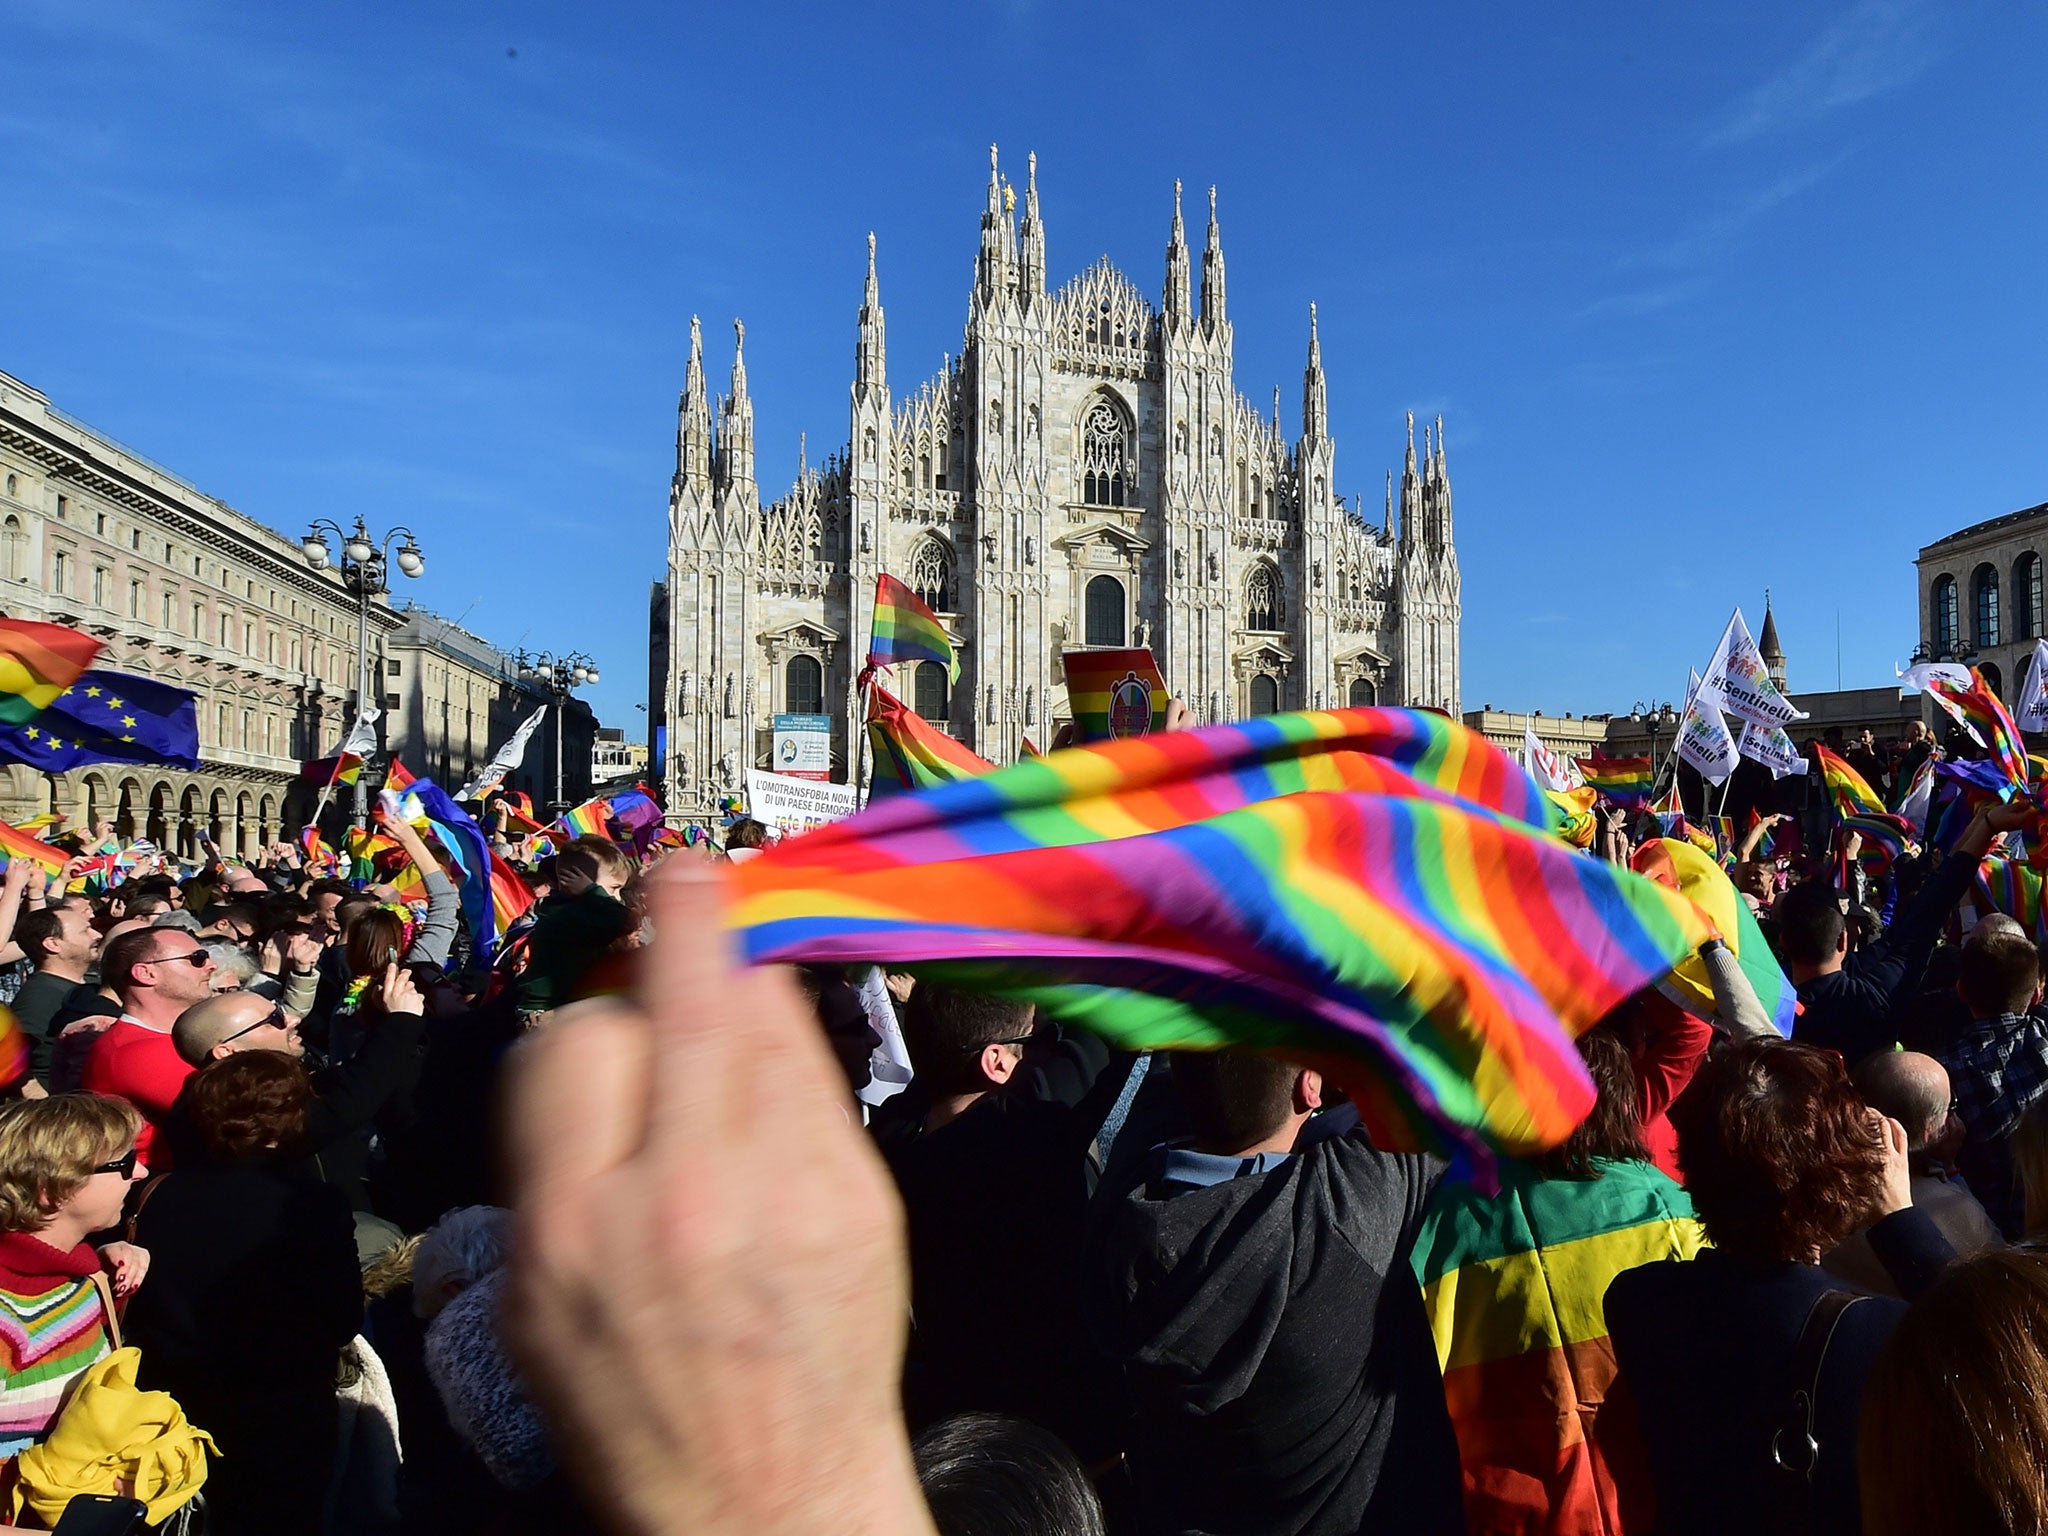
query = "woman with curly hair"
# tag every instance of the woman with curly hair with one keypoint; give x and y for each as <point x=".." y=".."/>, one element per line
<point x="254" y="1291"/>
<point x="1746" y="1364"/>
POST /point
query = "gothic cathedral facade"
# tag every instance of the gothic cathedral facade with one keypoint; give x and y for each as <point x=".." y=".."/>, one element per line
<point x="1085" y="473"/>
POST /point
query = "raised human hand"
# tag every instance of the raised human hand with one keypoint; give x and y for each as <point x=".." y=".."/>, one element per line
<point x="711" y="1299"/>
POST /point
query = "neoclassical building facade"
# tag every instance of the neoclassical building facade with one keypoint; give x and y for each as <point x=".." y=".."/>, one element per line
<point x="187" y="590"/>
<point x="1085" y="473"/>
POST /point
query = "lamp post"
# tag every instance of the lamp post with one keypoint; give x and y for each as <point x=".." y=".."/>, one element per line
<point x="364" y="569"/>
<point x="561" y="676"/>
<point x="1657" y="720"/>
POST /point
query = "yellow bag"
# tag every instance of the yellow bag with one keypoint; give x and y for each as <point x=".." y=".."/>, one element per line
<point x="113" y="1438"/>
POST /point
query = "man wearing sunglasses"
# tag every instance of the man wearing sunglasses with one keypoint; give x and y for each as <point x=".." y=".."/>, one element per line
<point x="157" y="973"/>
<point x="234" y="1021"/>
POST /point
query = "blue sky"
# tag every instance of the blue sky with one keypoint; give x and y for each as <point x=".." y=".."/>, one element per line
<point x="1711" y="298"/>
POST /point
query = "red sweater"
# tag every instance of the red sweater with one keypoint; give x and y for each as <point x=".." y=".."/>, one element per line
<point x="134" y="1062"/>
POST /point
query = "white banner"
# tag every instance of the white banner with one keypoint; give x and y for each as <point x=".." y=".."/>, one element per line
<point x="2031" y="712"/>
<point x="1921" y="673"/>
<point x="1919" y="797"/>
<point x="1704" y="739"/>
<point x="1740" y="683"/>
<point x="1550" y="771"/>
<point x="505" y="760"/>
<point x="1774" y="749"/>
<point x="790" y="806"/>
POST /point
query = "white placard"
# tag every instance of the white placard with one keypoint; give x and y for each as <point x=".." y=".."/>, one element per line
<point x="789" y="806"/>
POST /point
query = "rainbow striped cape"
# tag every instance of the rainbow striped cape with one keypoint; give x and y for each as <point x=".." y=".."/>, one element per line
<point x="1374" y="890"/>
<point x="906" y="630"/>
<point x="1515" y="1287"/>
<point x="1623" y="780"/>
<point x="910" y="752"/>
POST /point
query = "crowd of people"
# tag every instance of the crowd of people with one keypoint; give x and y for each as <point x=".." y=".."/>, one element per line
<point x="615" y="1234"/>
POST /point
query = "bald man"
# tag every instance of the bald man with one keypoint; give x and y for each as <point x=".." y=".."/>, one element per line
<point x="233" y="1021"/>
<point x="1914" y="1090"/>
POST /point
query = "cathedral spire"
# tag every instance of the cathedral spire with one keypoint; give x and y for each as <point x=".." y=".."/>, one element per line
<point x="870" y="373"/>
<point x="1213" y="311"/>
<point x="1177" y="275"/>
<point x="1031" y="263"/>
<point x="693" y="417"/>
<point x="736" y="422"/>
<point x="1315" y="389"/>
<point x="1388" y="529"/>
<point x="1414" y="531"/>
<point x="992" y="266"/>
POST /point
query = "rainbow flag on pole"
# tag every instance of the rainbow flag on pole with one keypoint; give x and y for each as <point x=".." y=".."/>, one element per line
<point x="905" y="629"/>
<point x="38" y="662"/>
<point x="1626" y="781"/>
<point x="910" y="752"/>
<point x="1376" y="890"/>
<point x="1978" y="710"/>
<point x="590" y="819"/>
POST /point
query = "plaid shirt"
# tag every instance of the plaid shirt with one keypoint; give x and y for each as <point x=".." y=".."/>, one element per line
<point x="1997" y="1068"/>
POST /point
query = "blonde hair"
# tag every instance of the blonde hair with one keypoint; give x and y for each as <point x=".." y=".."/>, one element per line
<point x="2030" y="1161"/>
<point x="50" y="1147"/>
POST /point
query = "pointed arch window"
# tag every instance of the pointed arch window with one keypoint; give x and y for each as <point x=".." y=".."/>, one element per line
<point x="1104" y="619"/>
<point x="931" y="575"/>
<point x="1944" y="611"/>
<point x="1107" y="463"/>
<point x="1262" y="599"/>
<point x="1984" y="605"/>
<point x="2026" y="597"/>
<point x="1265" y="695"/>
<point x="803" y="686"/>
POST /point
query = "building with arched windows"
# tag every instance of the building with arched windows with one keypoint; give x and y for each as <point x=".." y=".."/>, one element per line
<point x="1084" y="473"/>
<point x="1981" y="597"/>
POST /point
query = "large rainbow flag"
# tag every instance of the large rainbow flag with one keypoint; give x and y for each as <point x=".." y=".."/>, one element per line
<point x="1624" y="780"/>
<point x="905" y="629"/>
<point x="1115" y="694"/>
<point x="1374" y="890"/>
<point x="1515" y="1287"/>
<point x="38" y="662"/>
<point x="910" y="752"/>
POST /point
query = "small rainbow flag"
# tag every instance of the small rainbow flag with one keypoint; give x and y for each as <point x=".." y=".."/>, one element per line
<point x="2009" y="886"/>
<point x="1988" y="723"/>
<point x="1376" y="890"/>
<point x="1886" y="838"/>
<point x="16" y="844"/>
<point x="342" y="768"/>
<point x="1626" y="781"/>
<point x="906" y="630"/>
<point x="590" y="819"/>
<point x="14" y="1049"/>
<point x="1850" y="792"/>
<point x="1115" y="694"/>
<point x="910" y="752"/>
<point x="511" y="897"/>
<point x="38" y="662"/>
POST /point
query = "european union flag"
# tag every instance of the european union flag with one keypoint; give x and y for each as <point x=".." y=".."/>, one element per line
<point x="108" y="717"/>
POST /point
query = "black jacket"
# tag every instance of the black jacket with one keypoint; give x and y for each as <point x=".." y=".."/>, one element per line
<point x="1705" y="1346"/>
<point x="1282" y="1374"/>
<point x="1852" y="1010"/>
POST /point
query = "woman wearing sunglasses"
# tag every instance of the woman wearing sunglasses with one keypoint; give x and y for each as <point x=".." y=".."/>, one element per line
<point x="66" y="1164"/>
